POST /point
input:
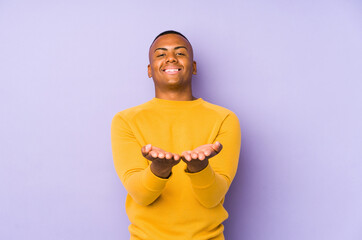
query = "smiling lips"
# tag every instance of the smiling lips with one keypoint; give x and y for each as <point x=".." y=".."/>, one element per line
<point x="171" y="70"/>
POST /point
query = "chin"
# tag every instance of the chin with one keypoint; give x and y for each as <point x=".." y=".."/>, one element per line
<point x="171" y="84"/>
<point x="174" y="84"/>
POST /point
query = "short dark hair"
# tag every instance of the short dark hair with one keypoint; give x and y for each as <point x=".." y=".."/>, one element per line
<point x="169" y="32"/>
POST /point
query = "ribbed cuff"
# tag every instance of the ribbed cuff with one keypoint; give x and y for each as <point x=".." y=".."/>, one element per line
<point x="202" y="179"/>
<point x="152" y="182"/>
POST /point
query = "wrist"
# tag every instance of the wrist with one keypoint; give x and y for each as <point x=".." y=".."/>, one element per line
<point x="160" y="171"/>
<point x="198" y="168"/>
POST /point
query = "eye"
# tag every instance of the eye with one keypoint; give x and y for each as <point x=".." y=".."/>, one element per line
<point x="182" y="54"/>
<point x="161" y="55"/>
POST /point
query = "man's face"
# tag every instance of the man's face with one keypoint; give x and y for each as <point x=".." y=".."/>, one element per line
<point x="171" y="62"/>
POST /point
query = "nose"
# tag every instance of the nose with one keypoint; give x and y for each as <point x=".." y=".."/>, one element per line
<point x="171" y="58"/>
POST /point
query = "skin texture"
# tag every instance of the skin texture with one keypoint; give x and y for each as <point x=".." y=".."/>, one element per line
<point x="172" y="51"/>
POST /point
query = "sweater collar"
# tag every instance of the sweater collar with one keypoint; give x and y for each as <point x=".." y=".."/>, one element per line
<point x="173" y="103"/>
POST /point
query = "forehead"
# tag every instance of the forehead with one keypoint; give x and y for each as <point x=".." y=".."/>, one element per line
<point x="169" y="41"/>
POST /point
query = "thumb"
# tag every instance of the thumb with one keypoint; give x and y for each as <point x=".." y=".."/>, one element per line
<point x="217" y="146"/>
<point x="146" y="149"/>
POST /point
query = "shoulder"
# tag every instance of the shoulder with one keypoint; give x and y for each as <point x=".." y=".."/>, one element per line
<point x="219" y="110"/>
<point x="229" y="121"/>
<point x="130" y="113"/>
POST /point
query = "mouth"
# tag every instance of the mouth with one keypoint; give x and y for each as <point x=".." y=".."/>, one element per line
<point x="171" y="70"/>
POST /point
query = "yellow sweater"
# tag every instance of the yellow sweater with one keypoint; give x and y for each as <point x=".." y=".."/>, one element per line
<point x="186" y="205"/>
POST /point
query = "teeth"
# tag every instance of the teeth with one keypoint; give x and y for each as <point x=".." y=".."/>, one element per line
<point x="171" y="70"/>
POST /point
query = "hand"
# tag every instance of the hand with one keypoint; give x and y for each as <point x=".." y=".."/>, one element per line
<point x="162" y="161"/>
<point x="198" y="159"/>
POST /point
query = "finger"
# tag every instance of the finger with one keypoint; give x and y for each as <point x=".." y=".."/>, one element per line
<point x="182" y="156"/>
<point x="186" y="156"/>
<point x="184" y="153"/>
<point x="217" y="146"/>
<point x="194" y="155"/>
<point x="207" y="153"/>
<point x="143" y="150"/>
<point x="168" y="155"/>
<point x="161" y="155"/>
<point x="153" y="154"/>
<point x="201" y="156"/>
<point x="176" y="157"/>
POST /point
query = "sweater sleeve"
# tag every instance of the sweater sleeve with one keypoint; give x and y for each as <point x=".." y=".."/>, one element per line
<point x="211" y="184"/>
<point x="132" y="168"/>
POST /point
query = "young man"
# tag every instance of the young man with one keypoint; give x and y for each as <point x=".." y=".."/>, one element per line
<point x="176" y="154"/>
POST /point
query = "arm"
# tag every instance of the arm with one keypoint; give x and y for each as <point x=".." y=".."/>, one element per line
<point x="212" y="179"/>
<point x="131" y="163"/>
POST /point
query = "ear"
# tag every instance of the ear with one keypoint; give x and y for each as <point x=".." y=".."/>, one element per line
<point x="149" y="71"/>
<point x="194" y="68"/>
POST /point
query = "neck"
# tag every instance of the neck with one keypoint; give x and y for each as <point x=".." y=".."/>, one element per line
<point x="175" y="95"/>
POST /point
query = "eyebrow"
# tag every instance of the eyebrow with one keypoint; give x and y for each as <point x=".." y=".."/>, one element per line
<point x="165" y="49"/>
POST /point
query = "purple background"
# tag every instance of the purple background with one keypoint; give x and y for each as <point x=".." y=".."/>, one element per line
<point x="291" y="71"/>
